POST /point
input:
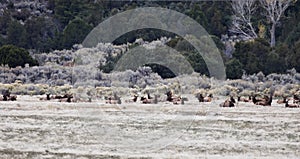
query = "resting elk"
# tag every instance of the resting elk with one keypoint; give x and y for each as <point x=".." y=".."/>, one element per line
<point x="113" y="99"/>
<point x="228" y="102"/>
<point x="291" y="105"/>
<point x="173" y="98"/>
<point x="149" y="99"/>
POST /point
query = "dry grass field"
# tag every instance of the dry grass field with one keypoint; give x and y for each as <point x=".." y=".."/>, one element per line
<point x="30" y="128"/>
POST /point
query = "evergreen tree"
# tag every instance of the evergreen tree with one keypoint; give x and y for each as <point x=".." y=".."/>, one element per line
<point x="14" y="56"/>
<point x="234" y="69"/>
<point x="75" y="32"/>
<point x="16" y="34"/>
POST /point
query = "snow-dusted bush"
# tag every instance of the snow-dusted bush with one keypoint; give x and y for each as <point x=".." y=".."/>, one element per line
<point x="140" y="78"/>
<point x="226" y="90"/>
<point x="297" y="78"/>
<point x="260" y="77"/>
<point x="76" y="71"/>
<point x="241" y="84"/>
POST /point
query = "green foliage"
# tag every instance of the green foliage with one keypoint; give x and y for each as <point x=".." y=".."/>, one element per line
<point x="163" y="71"/>
<point x="276" y="59"/>
<point x="294" y="35"/>
<point x="110" y="64"/>
<point x="197" y="62"/>
<point x="22" y="14"/>
<point x="13" y="56"/>
<point x="108" y="67"/>
<point x="274" y="64"/>
<point x="183" y="45"/>
<point x="190" y="53"/>
<point x="252" y="55"/>
<point x="293" y="58"/>
<point x="72" y="20"/>
<point x="290" y="26"/>
<point x="16" y="34"/>
<point x="234" y="69"/>
<point x="197" y="14"/>
<point x="5" y="20"/>
<point x="62" y="11"/>
<point x="75" y="32"/>
<point x="257" y="56"/>
<point x="39" y="32"/>
<point x="145" y="34"/>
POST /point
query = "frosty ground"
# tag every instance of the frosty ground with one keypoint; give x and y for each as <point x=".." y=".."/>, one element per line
<point x="30" y="128"/>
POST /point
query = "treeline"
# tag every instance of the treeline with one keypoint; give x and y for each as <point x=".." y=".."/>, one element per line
<point x="71" y="21"/>
<point x="257" y="56"/>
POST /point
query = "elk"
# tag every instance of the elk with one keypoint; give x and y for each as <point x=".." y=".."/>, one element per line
<point x="47" y="97"/>
<point x="149" y="99"/>
<point x="228" y="102"/>
<point x="134" y="99"/>
<point x="255" y="100"/>
<point x="296" y="99"/>
<point x="283" y="101"/>
<point x="4" y="98"/>
<point x="113" y="99"/>
<point x="8" y="97"/>
<point x="243" y="99"/>
<point x="200" y="97"/>
<point x="173" y="98"/>
<point x="266" y="101"/>
<point x="68" y="98"/>
<point x="291" y="105"/>
<point x="208" y="98"/>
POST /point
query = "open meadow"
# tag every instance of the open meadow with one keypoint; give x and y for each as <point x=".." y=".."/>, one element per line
<point x="30" y="128"/>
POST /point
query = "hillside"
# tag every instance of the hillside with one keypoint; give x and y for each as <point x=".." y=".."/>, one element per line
<point x="42" y="26"/>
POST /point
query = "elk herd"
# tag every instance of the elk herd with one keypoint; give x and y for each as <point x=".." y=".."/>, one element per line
<point x="265" y="100"/>
<point x="6" y="96"/>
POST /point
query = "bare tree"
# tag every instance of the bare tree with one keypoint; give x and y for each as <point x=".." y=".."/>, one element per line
<point x="274" y="11"/>
<point x="243" y="11"/>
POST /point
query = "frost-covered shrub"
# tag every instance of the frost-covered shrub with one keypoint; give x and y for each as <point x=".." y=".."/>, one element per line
<point x="246" y="92"/>
<point x="266" y="85"/>
<point x="60" y="82"/>
<point x="224" y="91"/>
<point x="241" y="84"/>
<point x="297" y="78"/>
<point x="287" y="79"/>
<point x="123" y="79"/>
<point x="141" y="78"/>
<point x="280" y="91"/>
<point x="251" y="78"/>
<point x="274" y="77"/>
<point x="103" y="91"/>
<point x="292" y="71"/>
<point x="204" y="82"/>
<point x="62" y="89"/>
<point x="260" y="77"/>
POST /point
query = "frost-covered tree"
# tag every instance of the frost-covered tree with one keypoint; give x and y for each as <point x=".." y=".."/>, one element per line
<point x="242" y="24"/>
